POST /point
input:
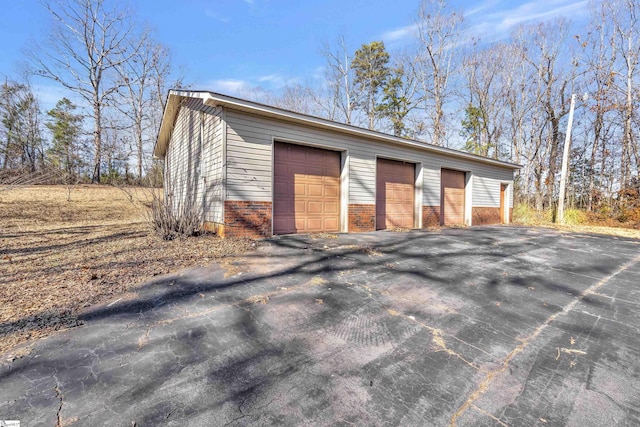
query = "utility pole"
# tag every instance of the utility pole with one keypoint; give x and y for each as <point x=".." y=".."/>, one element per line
<point x="565" y="163"/>
<point x="565" y="159"/>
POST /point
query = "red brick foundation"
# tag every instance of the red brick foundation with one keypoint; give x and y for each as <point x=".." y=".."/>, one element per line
<point x="362" y="218"/>
<point x="484" y="216"/>
<point x="430" y="216"/>
<point x="247" y="219"/>
<point x="253" y="219"/>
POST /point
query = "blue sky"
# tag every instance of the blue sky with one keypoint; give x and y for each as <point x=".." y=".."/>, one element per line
<point x="226" y="45"/>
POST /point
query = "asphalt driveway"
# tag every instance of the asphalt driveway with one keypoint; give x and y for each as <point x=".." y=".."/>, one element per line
<point x="481" y="326"/>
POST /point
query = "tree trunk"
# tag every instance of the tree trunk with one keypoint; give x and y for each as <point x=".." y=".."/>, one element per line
<point x="553" y="159"/>
<point x="597" y="129"/>
<point x="97" y="141"/>
<point x="625" y="167"/>
<point x="140" y="151"/>
<point x="437" y="122"/>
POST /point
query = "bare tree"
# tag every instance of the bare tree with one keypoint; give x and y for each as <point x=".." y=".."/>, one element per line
<point x="552" y="94"/>
<point x="517" y="78"/>
<point x="21" y="143"/>
<point x="598" y="62"/>
<point x="487" y="85"/>
<point x="438" y="32"/>
<point x="164" y="77"/>
<point x="140" y="78"/>
<point x="87" y="43"/>
<point x="624" y="16"/>
<point x="340" y="80"/>
<point x="301" y="98"/>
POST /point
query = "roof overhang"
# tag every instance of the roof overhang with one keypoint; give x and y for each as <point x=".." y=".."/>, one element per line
<point x="175" y="98"/>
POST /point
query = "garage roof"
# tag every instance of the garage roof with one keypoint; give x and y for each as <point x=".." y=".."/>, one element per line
<point x="213" y="99"/>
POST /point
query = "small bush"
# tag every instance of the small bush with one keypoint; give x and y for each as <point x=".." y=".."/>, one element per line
<point x="629" y="216"/>
<point x="171" y="223"/>
<point x="524" y="214"/>
<point x="575" y="217"/>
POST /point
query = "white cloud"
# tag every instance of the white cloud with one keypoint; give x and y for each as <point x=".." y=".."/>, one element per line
<point x="48" y="95"/>
<point x="318" y="73"/>
<point x="481" y="7"/>
<point x="492" y="22"/>
<point x="399" y="34"/>
<point x="215" y="15"/>
<point x="228" y="86"/>
<point x="542" y="11"/>
<point x="276" y="81"/>
<point x="497" y="25"/>
<point x="238" y="87"/>
<point x="271" y="78"/>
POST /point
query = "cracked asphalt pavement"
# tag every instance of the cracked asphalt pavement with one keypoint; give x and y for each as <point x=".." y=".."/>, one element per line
<point x="486" y="326"/>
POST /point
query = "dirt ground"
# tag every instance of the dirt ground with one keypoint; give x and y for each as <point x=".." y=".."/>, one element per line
<point x="62" y="251"/>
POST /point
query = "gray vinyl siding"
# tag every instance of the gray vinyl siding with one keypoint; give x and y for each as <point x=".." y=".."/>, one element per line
<point x="193" y="162"/>
<point x="213" y="167"/>
<point x="182" y="160"/>
<point x="249" y="161"/>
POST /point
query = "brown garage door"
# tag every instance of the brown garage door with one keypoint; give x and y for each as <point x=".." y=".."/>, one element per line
<point x="306" y="195"/>
<point x="394" y="194"/>
<point x="452" y="211"/>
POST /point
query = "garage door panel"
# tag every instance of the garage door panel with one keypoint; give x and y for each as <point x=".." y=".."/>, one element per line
<point x="300" y="207"/>
<point x="315" y="208"/>
<point x="300" y="190"/>
<point x="331" y="190"/>
<point x="316" y="190"/>
<point x="332" y="208"/>
<point x="315" y="172"/>
<point x="300" y="224"/>
<point x="395" y="185"/>
<point x="452" y="178"/>
<point x="452" y="197"/>
<point x="296" y="156"/>
<point x="331" y="224"/>
<point x="315" y="224"/>
<point x="282" y="193"/>
<point x="307" y="193"/>
<point x="284" y="223"/>
<point x="283" y="186"/>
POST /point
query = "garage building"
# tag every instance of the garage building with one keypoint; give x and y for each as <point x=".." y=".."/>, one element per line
<point x="254" y="170"/>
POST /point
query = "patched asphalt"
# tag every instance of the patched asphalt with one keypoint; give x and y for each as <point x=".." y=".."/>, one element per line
<point x="486" y="326"/>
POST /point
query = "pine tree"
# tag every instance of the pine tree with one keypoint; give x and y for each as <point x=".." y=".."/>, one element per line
<point x="65" y="127"/>
<point x="397" y="100"/>
<point x="371" y="73"/>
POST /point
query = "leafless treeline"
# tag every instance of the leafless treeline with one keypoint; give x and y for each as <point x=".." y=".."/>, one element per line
<point x="509" y="99"/>
<point x="118" y="77"/>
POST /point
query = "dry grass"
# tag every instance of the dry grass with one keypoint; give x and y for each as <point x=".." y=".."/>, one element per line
<point x="258" y="299"/>
<point x="58" y="257"/>
<point x="575" y="222"/>
<point x="396" y="229"/>
<point x="600" y="229"/>
<point x="317" y="236"/>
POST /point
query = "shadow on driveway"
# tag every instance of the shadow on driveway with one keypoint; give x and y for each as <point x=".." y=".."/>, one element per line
<point x="479" y="326"/>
